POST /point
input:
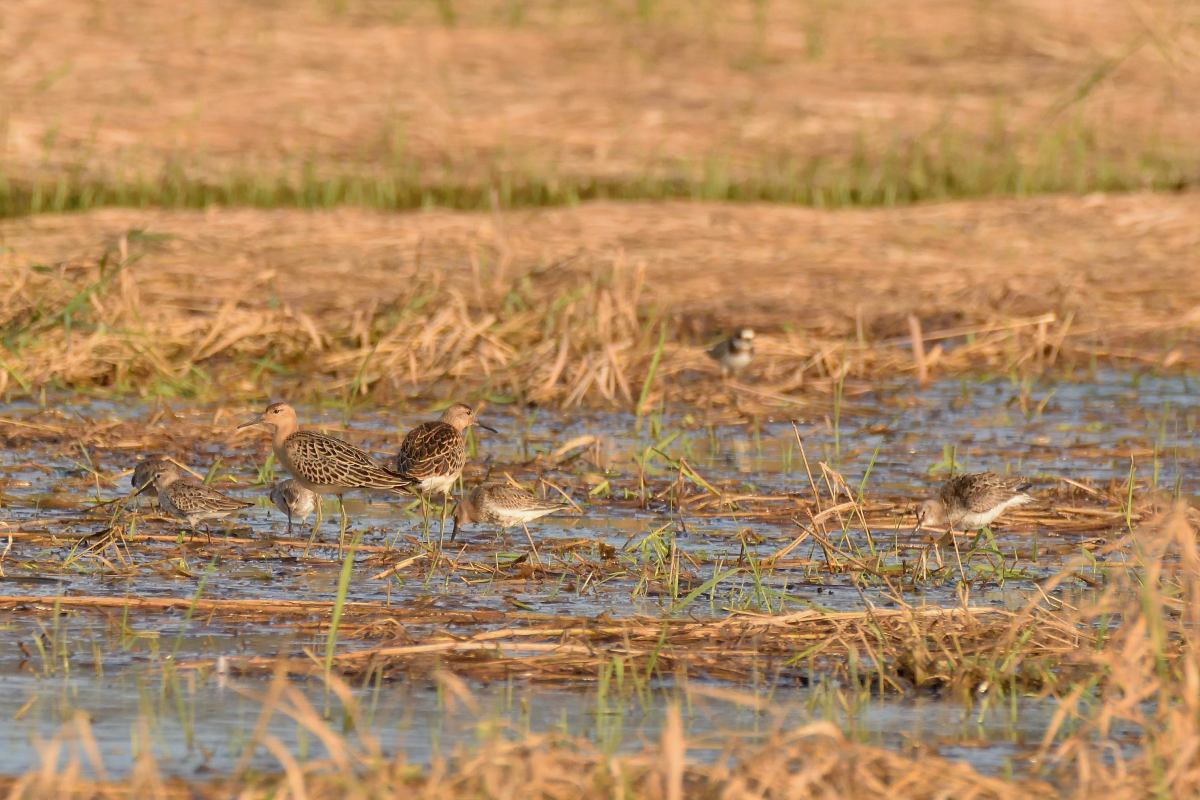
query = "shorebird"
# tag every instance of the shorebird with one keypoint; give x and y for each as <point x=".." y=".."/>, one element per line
<point x="504" y="505"/>
<point x="972" y="501"/>
<point x="433" y="455"/>
<point x="294" y="500"/>
<point x="190" y="500"/>
<point x="734" y="354"/>
<point x="143" y="475"/>
<point x="324" y="464"/>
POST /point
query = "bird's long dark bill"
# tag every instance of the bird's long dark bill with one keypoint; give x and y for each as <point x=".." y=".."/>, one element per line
<point x="257" y="419"/>
<point x="916" y="528"/>
<point x="145" y="487"/>
<point x="454" y="531"/>
<point x="486" y="427"/>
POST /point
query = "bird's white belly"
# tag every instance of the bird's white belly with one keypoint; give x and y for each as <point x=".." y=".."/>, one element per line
<point x="975" y="521"/>
<point x="438" y="484"/>
<point x="510" y="517"/>
<point x="737" y="360"/>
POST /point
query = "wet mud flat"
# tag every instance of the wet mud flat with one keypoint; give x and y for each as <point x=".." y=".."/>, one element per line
<point x="761" y="576"/>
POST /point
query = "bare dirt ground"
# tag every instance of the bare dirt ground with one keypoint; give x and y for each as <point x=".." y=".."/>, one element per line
<point x="597" y="89"/>
<point x="521" y="299"/>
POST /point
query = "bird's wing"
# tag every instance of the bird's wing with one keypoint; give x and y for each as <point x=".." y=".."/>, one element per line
<point x="325" y="461"/>
<point x="431" y="448"/>
<point x="983" y="491"/>
<point x="507" y="496"/>
<point x="191" y="497"/>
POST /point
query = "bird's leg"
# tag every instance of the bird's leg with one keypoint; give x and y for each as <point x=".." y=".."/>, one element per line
<point x="342" y="532"/>
<point x="312" y="537"/>
<point x="442" y="524"/>
<point x="532" y="546"/>
<point x="425" y="516"/>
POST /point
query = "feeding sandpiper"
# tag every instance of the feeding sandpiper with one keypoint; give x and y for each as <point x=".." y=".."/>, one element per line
<point x="324" y="464"/>
<point x="735" y="353"/>
<point x="433" y="455"/>
<point x="188" y="499"/>
<point x="293" y="500"/>
<point x="143" y="474"/>
<point x="972" y="501"/>
<point x="504" y="505"/>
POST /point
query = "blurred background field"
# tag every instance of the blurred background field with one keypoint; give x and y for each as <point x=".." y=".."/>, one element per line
<point x="465" y="103"/>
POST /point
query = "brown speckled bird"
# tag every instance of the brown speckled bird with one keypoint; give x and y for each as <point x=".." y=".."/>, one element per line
<point x="324" y="464"/>
<point x="433" y="455"/>
<point x="972" y="501"/>
<point x="190" y="500"/>
<point x="504" y="505"/>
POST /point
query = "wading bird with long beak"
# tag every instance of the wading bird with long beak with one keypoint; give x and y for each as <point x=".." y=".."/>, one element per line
<point x="325" y="464"/>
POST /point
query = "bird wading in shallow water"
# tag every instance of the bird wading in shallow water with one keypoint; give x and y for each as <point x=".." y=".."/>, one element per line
<point x="142" y="480"/>
<point x="190" y="500"/>
<point x="324" y="464"/>
<point x="735" y="353"/>
<point x="972" y="501"/>
<point x="433" y="455"/>
<point x="504" y="505"/>
<point x="293" y="500"/>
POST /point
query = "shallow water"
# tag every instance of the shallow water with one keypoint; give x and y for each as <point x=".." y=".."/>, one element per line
<point x="112" y="667"/>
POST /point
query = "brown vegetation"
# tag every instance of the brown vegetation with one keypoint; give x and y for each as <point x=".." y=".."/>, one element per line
<point x="567" y="307"/>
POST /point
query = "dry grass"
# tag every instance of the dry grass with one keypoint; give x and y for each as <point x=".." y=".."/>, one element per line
<point x="566" y="307"/>
<point x="815" y="761"/>
<point x="123" y="102"/>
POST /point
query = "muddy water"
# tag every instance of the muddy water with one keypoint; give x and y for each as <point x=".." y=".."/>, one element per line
<point x="111" y="667"/>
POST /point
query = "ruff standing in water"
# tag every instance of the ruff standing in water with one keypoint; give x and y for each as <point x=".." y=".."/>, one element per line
<point x="972" y="501"/>
<point x="503" y="505"/>
<point x="735" y="353"/>
<point x="324" y="464"/>
<point x="190" y="500"/>
<point x="294" y="500"/>
<point x="433" y="455"/>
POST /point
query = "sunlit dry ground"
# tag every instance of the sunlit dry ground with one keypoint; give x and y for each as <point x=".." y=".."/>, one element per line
<point x="566" y="306"/>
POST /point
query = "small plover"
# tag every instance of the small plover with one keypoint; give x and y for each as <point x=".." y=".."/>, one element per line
<point x="735" y="353"/>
